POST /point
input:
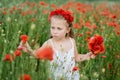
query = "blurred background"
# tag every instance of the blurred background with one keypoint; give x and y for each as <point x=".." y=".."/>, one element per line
<point x="30" y="17"/>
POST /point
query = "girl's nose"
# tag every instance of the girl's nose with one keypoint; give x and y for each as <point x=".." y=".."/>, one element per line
<point x="55" y="31"/>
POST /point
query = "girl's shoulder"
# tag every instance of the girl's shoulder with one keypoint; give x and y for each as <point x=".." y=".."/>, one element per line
<point x="73" y="40"/>
<point x="47" y="43"/>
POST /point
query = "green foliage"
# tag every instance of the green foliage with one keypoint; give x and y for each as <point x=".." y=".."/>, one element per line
<point x="36" y="26"/>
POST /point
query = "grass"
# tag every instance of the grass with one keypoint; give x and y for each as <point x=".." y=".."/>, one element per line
<point x="32" y="19"/>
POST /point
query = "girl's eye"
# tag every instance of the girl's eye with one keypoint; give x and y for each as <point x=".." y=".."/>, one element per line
<point x="59" y="28"/>
<point x="52" y="28"/>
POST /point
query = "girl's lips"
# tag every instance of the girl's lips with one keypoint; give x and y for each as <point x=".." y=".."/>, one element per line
<point x="55" y="36"/>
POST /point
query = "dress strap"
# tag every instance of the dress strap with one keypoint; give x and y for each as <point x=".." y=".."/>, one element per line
<point x="52" y="44"/>
<point x="71" y="41"/>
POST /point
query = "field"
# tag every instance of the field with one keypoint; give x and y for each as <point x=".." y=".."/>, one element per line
<point x="31" y="18"/>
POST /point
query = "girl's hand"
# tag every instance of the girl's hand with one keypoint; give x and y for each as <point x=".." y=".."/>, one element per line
<point x="23" y="46"/>
<point x="90" y="55"/>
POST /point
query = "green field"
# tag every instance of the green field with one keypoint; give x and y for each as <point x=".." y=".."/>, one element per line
<point x="18" y="17"/>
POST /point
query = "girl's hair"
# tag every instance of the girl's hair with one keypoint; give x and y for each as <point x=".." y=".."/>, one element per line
<point x="71" y="33"/>
<point x="63" y="15"/>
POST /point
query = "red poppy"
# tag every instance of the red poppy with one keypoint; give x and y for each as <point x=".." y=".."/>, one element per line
<point x="103" y="56"/>
<point x="17" y="53"/>
<point x="66" y="14"/>
<point x="43" y="3"/>
<point x="88" y="32"/>
<point x="24" y="38"/>
<point x="95" y="44"/>
<point x="28" y="3"/>
<point x="117" y="56"/>
<point x="105" y="13"/>
<point x="95" y="26"/>
<point x="76" y="25"/>
<point x="45" y="11"/>
<point x="9" y="57"/>
<point x="75" y="68"/>
<point x="33" y="19"/>
<point x="88" y="24"/>
<point x="4" y="12"/>
<point x="109" y="66"/>
<point x="88" y="38"/>
<point x="23" y="13"/>
<point x="113" y="16"/>
<point x="80" y="35"/>
<point x="54" y="6"/>
<point x="45" y="53"/>
<point x="25" y="77"/>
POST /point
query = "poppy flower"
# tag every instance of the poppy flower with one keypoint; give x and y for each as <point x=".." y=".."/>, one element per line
<point x="25" y="77"/>
<point x="45" y="53"/>
<point x="77" y="26"/>
<point x="9" y="57"/>
<point x="95" y="44"/>
<point x="43" y="3"/>
<point x="109" y="66"/>
<point x="17" y="53"/>
<point x="103" y="56"/>
<point x="66" y="14"/>
<point x="24" y="38"/>
<point x="4" y="12"/>
<point x="75" y="68"/>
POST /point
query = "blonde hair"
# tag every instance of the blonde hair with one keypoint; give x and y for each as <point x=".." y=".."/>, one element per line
<point x="69" y="25"/>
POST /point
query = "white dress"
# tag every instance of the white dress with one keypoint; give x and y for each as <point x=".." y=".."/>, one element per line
<point x="62" y="65"/>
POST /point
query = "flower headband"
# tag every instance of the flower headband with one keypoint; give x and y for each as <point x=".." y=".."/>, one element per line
<point x="66" y="14"/>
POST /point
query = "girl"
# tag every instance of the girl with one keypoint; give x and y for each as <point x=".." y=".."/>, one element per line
<point x="63" y="45"/>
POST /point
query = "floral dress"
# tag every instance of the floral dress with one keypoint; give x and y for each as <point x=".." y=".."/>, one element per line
<point x="61" y="67"/>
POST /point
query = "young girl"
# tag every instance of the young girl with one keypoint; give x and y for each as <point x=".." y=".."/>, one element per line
<point x="63" y="45"/>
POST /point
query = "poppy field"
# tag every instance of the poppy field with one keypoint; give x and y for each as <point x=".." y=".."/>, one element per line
<point x="31" y="18"/>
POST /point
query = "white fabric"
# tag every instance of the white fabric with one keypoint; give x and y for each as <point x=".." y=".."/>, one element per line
<point x="62" y="64"/>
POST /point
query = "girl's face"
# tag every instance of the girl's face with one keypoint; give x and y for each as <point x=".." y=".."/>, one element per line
<point x="58" y="28"/>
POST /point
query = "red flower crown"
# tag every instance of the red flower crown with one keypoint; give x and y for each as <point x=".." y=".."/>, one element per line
<point x="66" y="14"/>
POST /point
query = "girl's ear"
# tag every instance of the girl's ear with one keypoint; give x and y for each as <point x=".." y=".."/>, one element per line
<point x="68" y="30"/>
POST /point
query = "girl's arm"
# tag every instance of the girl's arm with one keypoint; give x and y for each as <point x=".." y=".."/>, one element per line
<point x="26" y="48"/>
<point x="82" y="57"/>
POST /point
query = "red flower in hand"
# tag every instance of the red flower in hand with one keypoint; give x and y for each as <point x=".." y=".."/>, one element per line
<point x="45" y="53"/>
<point x="24" y="38"/>
<point x="95" y="44"/>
